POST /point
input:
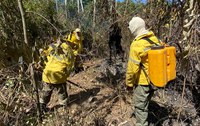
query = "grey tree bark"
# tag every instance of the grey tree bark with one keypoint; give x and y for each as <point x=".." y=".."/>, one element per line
<point x="56" y="6"/>
<point x="66" y="8"/>
<point x="23" y="21"/>
<point x="81" y="2"/>
<point x="78" y="6"/>
<point x="127" y="1"/>
<point x="94" y="21"/>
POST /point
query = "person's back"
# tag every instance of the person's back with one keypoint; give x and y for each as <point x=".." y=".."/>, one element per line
<point x="141" y="47"/>
<point x="60" y="63"/>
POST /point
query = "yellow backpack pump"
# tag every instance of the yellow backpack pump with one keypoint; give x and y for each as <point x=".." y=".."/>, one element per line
<point x="162" y="64"/>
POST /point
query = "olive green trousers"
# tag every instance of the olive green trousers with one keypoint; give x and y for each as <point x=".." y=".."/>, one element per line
<point x="47" y="92"/>
<point x="141" y="98"/>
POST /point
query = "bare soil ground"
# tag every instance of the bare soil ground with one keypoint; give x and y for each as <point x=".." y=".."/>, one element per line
<point x="95" y="103"/>
<point x="103" y="102"/>
<point x="100" y="100"/>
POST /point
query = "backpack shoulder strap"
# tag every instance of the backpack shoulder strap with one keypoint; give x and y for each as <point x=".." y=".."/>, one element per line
<point x="150" y="41"/>
<point x="145" y="73"/>
<point x="153" y="88"/>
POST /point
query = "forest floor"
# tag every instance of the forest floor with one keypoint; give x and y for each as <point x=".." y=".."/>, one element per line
<point x="100" y="100"/>
<point x="96" y="103"/>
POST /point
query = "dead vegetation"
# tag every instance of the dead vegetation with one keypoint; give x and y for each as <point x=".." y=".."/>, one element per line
<point x="105" y="102"/>
<point x="102" y="100"/>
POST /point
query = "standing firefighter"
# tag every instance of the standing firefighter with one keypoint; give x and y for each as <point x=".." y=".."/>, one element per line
<point x="115" y="41"/>
<point x="60" y="62"/>
<point x="135" y="76"/>
<point x="76" y="38"/>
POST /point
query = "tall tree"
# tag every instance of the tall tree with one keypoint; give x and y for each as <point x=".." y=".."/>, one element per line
<point x="94" y="21"/>
<point x="78" y="6"/>
<point x="81" y="2"/>
<point x="66" y="8"/>
<point x="56" y="6"/>
<point x="23" y="20"/>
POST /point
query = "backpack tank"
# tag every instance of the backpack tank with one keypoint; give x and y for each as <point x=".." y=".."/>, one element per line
<point x="157" y="58"/>
<point x="162" y="65"/>
<point x="171" y="63"/>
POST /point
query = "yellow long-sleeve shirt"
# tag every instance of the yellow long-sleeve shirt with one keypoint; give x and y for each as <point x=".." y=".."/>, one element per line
<point x="59" y="65"/>
<point x="139" y="54"/>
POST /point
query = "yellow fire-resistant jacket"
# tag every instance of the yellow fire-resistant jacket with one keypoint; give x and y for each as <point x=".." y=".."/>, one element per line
<point x="78" y="46"/>
<point x="138" y="54"/>
<point x="59" y="64"/>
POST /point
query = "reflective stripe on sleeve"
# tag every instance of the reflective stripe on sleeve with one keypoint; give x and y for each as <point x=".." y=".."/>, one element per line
<point x="147" y="49"/>
<point x="134" y="61"/>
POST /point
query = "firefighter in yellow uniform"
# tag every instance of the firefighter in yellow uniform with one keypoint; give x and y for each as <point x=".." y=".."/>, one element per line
<point x="135" y="76"/>
<point x="59" y="64"/>
<point x="76" y="39"/>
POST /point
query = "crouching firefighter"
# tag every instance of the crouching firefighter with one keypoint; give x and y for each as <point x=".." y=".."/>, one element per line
<point x="60" y="63"/>
<point x="135" y="74"/>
